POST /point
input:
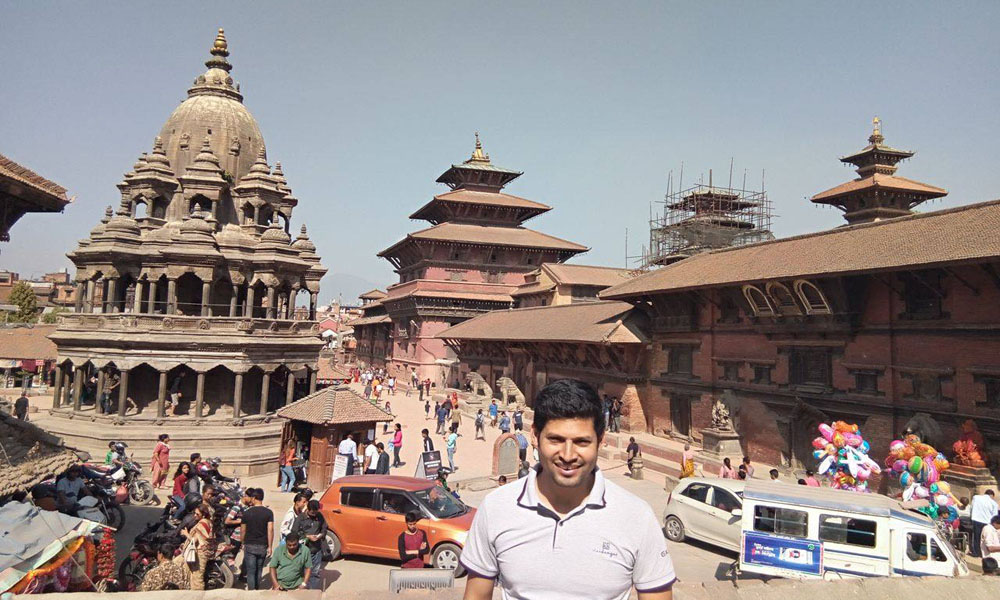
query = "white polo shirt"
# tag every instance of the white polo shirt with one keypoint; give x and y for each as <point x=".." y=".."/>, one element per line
<point x="599" y="550"/>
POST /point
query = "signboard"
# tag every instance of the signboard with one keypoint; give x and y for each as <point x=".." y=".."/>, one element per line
<point x="339" y="467"/>
<point x="781" y="556"/>
<point x="428" y="465"/>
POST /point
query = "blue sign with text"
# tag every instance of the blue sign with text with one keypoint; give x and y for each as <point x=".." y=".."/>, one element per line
<point x="790" y="554"/>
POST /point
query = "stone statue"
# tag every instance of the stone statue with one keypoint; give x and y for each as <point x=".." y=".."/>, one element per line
<point x="478" y="385"/>
<point x="509" y="392"/>
<point x="970" y="446"/>
<point x="925" y="428"/>
<point x="720" y="416"/>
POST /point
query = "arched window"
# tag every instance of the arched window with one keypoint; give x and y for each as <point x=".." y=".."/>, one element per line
<point x="758" y="301"/>
<point x="812" y="298"/>
<point x="159" y="208"/>
<point x="139" y="208"/>
<point x="200" y="203"/>
<point x="782" y="299"/>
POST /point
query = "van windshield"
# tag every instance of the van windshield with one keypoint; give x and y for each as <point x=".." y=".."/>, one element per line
<point x="440" y="502"/>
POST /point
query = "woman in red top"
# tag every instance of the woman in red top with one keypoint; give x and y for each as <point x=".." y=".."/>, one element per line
<point x="287" y="472"/>
<point x="161" y="461"/>
<point x="180" y="481"/>
<point x="412" y="543"/>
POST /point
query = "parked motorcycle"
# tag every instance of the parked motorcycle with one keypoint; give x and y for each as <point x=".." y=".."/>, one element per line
<point x="125" y="480"/>
<point x="99" y="506"/>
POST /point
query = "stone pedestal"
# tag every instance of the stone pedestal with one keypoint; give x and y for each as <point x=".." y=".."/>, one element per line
<point x="969" y="481"/>
<point x="719" y="443"/>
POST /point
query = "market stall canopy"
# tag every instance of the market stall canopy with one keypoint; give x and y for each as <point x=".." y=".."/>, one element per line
<point x="336" y="405"/>
<point x="30" y="455"/>
<point x="30" y="537"/>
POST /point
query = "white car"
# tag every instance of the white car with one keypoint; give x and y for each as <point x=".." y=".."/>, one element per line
<point x="705" y="508"/>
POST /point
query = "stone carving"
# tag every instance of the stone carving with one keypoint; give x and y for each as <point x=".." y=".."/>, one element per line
<point x="185" y="141"/>
<point x="720" y="416"/>
<point x="970" y="447"/>
<point x="128" y="322"/>
<point x="245" y="325"/>
<point x="168" y="323"/>
<point x="234" y="146"/>
<point x="203" y="324"/>
<point x="479" y="385"/>
<point x="509" y="392"/>
<point x="506" y="455"/>
<point x="273" y="326"/>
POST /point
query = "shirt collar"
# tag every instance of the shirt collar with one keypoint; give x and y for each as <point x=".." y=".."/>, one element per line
<point x="529" y="493"/>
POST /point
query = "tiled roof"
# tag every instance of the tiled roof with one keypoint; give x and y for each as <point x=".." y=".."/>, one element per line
<point x="588" y="322"/>
<point x="30" y="455"/>
<point x="963" y="234"/>
<point x="327" y="371"/>
<point x="888" y="182"/>
<point x="11" y="170"/>
<point x="373" y="295"/>
<point x="369" y="321"/>
<point x="486" y="297"/>
<point x="336" y="405"/>
<point x="533" y="288"/>
<point x="482" y="197"/>
<point x="27" y="343"/>
<point x="567" y="274"/>
<point x="489" y="235"/>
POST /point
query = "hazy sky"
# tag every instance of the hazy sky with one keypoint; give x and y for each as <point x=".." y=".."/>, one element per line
<point x="366" y="103"/>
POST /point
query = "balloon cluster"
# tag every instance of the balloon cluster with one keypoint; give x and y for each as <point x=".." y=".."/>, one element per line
<point x="919" y="467"/>
<point x="843" y="456"/>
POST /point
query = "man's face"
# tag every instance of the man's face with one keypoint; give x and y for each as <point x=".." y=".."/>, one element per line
<point x="292" y="547"/>
<point x="209" y="494"/>
<point x="73" y="474"/>
<point x="567" y="450"/>
<point x="300" y="505"/>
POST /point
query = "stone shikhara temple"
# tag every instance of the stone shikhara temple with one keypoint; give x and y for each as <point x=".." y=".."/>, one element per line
<point x="195" y="276"/>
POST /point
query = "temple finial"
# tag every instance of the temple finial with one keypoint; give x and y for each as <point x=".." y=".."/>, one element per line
<point x="220" y="50"/>
<point x="221" y="46"/>
<point x="478" y="155"/>
<point x="876" y="136"/>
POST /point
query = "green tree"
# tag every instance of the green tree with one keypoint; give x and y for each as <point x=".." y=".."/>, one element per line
<point x="23" y="297"/>
<point x="52" y="318"/>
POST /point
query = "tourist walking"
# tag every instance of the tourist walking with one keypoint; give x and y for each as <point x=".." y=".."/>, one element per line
<point x="631" y="451"/>
<point x="371" y="458"/>
<point x="451" y="443"/>
<point x="746" y="466"/>
<point x="397" y="444"/>
<point x="348" y="448"/>
<point x="518" y="419"/>
<point x="989" y="543"/>
<point x="811" y="480"/>
<point x="160" y="466"/>
<point x="368" y="391"/>
<point x="606" y="403"/>
<point x="687" y="462"/>
<point x="311" y="528"/>
<point x="290" y="566"/>
<point x="456" y="420"/>
<point x="480" y="425"/>
<point x="726" y="471"/>
<point x="175" y="395"/>
<point x="428" y="442"/>
<point x="285" y="462"/>
<point x="392" y="386"/>
<point x="382" y="466"/>
<point x="21" y="407"/>
<point x="297" y="508"/>
<point x="412" y="543"/>
<point x="504" y="422"/>
<point x="385" y="424"/>
<point x="427" y="409"/>
<point x="257" y="532"/>
<point x="616" y="414"/>
<point x="442" y="414"/>
<point x="522" y="446"/>
<point x="493" y="413"/>
<point x="982" y="509"/>
<point x="202" y="536"/>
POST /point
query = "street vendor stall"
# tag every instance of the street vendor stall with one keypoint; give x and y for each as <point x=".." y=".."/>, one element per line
<point x="320" y="421"/>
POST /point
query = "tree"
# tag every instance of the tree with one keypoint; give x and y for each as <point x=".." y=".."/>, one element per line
<point x="23" y="297"/>
<point x="52" y="318"/>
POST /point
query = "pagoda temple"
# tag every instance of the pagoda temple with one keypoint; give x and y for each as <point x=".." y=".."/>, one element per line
<point x="191" y="286"/>
<point x="877" y="193"/>
<point x="468" y="262"/>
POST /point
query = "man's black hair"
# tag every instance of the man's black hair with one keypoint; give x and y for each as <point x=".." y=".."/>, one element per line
<point x="292" y="537"/>
<point x="167" y="549"/>
<point x="298" y="497"/>
<point x="989" y="492"/>
<point x="773" y="473"/>
<point x="195" y="456"/>
<point x="412" y="516"/>
<point x="380" y="446"/>
<point x="569" y="399"/>
<point x="995" y="519"/>
<point x="258" y="494"/>
<point x="312" y="505"/>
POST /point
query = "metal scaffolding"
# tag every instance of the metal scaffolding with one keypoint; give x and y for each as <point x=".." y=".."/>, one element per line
<point x="705" y="217"/>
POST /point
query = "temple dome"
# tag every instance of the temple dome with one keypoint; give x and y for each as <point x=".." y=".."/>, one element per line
<point x="214" y="109"/>
<point x="274" y="233"/>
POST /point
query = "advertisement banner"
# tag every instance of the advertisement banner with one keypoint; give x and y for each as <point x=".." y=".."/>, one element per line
<point x="339" y="467"/>
<point x="782" y="556"/>
<point x="428" y="465"/>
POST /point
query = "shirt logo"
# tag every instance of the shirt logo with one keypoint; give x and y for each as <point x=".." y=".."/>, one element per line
<point x="606" y="549"/>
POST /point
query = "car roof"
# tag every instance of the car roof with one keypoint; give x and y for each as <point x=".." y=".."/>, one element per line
<point x="832" y="499"/>
<point x="410" y="484"/>
<point x="733" y="485"/>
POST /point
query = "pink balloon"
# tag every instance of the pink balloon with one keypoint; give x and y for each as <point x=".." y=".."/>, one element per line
<point x="819" y="443"/>
<point x="826" y="431"/>
<point x="899" y="466"/>
<point x="896" y="446"/>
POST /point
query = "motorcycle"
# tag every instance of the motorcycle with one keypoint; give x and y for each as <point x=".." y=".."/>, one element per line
<point x="99" y="506"/>
<point x="125" y="481"/>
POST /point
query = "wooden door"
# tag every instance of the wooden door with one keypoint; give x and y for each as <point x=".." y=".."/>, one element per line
<point x="320" y="462"/>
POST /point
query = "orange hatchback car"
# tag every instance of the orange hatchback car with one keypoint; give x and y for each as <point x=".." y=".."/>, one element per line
<point x="366" y="514"/>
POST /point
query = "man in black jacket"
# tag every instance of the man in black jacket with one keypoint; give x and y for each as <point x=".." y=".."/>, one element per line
<point x="382" y="467"/>
<point x="428" y="443"/>
<point x="311" y="528"/>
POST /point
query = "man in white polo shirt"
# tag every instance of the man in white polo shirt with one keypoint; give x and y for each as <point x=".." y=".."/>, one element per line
<point x="564" y="532"/>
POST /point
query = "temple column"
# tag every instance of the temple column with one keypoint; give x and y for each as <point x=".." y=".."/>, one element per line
<point x="77" y="387"/>
<point x="265" y="388"/>
<point x="171" y="296"/>
<point x="271" y="313"/>
<point x="256" y="215"/>
<point x="238" y="396"/>
<point x="248" y="309"/>
<point x="312" y="379"/>
<point x="81" y="289"/>
<point x="215" y="210"/>
<point x="89" y="301"/>
<point x="206" y="298"/>
<point x="151" y="303"/>
<point x="313" y="298"/>
<point x="99" y="391"/>
<point x="199" y="396"/>
<point x="110" y="305"/>
<point x="123" y="392"/>
<point x="233" y="299"/>
<point x="68" y="387"/>
<point x="161" y="396"/>
<point x="290" y="388"/>
<point x="137" y="301"/>
<point x="58" y="386"/>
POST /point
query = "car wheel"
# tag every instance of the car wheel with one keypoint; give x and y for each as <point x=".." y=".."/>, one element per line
<point x="446" y="557"/>
<point x="334" y="543"/>
<point x="674" y="529"/>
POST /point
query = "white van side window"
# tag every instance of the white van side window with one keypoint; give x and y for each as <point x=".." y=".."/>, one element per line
<point x="771" y="519"/>
<point x="916" y="548"/>
<point x="845" y="530"/>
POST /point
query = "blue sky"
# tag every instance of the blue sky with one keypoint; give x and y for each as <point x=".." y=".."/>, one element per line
<point x="366" y="103"/>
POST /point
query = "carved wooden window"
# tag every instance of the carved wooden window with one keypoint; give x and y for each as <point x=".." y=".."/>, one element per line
<point x="922" y="295"/>
<point x="758" y="301"/>
<point x="809" y="366"/>
<point x="731" y="371"/>
<point x="992" y="385"/>
<point x="762" y="374"/>
<point x="926" y="387"/>
<point x="812" y="298"/>
<point x="866" y="382"/>
<point x="782" y="299"/>
<point x="681" y="360"/>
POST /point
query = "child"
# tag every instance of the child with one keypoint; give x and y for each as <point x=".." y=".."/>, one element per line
<point x="427" y="408"/>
